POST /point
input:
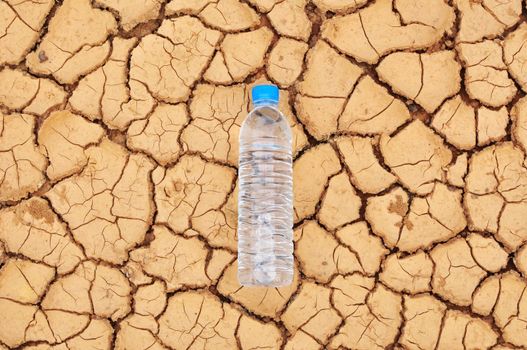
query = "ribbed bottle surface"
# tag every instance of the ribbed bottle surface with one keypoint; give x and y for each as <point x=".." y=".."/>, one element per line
<point x="265" y="200"/>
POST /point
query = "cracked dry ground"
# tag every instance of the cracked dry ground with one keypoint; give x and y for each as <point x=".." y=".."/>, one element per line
<point x="119" y="122"/>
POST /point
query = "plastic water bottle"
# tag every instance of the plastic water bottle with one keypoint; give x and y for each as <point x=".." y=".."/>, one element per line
<point x="265" y="200"/>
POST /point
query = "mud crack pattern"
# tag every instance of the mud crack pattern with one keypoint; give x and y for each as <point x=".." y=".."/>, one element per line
<point x="119" y="125"/>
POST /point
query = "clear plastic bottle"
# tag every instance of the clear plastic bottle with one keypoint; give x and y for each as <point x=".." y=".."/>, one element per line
<point x="265" y="200"/>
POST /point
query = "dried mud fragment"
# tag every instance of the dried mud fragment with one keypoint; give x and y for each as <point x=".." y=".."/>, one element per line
<point x="186" y="6"/>
<point x="285" y="61"/>
<point x="98" y="335"/>
<point x="137" y="332"/>
<point x="456" y="273"/>
<point x="456" y="122"/>
<point x="340" y="204"/>
<point x="512" y="231"/>
<point x="289" y="19"/>
<point x="367" y="247"/>
<point x="158" y="135"/>
<point x="487" y="252"/>
<point x="496" y="192"/>
<point x="411" y="273"/>
<point x="23" y="281"/>
<point x="328" y="73"/>
<point x="386" y="214"/>
<point x="422" y="327"/>
<point x="319" y="115"/>
<point x="179" y="261"/>
<point x="515" y="54"/>
<point x="261" y="301"/>
<point x="91" y="289"/>
<point x="417" y="156"/>
<point x="32" y="229"/>
<point x="229" y="15"/>
<point x="107" y="231"/>
<point x="492" y="125"/>
<point x="484" y="297"/>
<point x="21" y="91"/>
<point x="338" y="5"/>
<point x="463" y="331"/>
<point x="311" y="312"/>
<point x="108" y="94"/>
<point x="264" y="6"/>
<point x="20" y="25"/>
<point x="242" y="63"/>
<point x="321" y="162"/>
<point x="483" y="211"/>
<point x="110" y="293"/>
<point x="75" y="43"/>
<point x="510" y="310"/>
<point x="22" y="166"/>
<point x="486" y="18"/>
<point x="373" y="32"/>
<point x="510" y="300"/>
<point x="64" y="137"/>
<point x="366" y="172"/>
<point x="218" y="263"/>
<point x="133" y="12"/>
<point x="486" y="77"/>
<point x="198" y="320"/>
<point x="372" y="110"/>
<point x="189" y="192"/>
<point x="372" y="314"/>
<point x="329" y="78"/>
<point x="14" y="319"/>
<point x="150" y="299"/>
<point x="218" y="73"/>
<point x="434" y="218"/>
<point x="520" y="259"/>
<point x="456" y="171"/>
<point x="432" y="13"/>
<point x="427" y="78"/>
<point x="519" y="125"/>
<point x="171" y="61"/>
<point x="321" y="256"/>
<point x="254" y="334"/>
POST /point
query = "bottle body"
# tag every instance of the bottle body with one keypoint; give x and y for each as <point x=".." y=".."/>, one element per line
<point x="265" y="200"/>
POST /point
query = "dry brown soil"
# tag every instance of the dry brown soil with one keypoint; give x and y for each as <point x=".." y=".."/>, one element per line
<point x="119" y="124"/>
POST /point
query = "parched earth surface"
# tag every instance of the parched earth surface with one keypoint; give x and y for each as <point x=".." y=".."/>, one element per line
<point x="119" y="124"/>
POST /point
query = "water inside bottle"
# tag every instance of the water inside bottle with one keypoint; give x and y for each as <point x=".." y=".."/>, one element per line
<point x="265" y="207"/>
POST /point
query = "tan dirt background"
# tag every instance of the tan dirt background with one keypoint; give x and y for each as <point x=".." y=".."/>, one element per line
<point x="119" y="122"/>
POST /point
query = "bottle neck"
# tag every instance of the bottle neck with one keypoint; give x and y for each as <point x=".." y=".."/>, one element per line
<point x="260" y="103"/>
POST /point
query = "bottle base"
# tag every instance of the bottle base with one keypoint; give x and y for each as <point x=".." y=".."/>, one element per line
<point x="255" y="278"/>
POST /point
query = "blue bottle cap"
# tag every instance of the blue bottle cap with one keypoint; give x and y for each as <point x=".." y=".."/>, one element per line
<point x="265" y="92"/>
